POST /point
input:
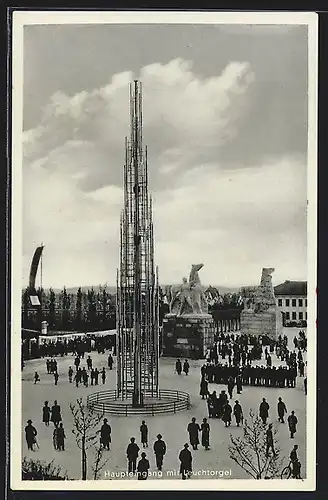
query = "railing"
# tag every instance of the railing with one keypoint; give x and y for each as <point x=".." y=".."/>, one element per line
<point x="168" y="401"/>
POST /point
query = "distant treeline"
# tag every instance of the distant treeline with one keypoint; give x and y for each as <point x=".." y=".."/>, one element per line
<point x="91" y="309"/>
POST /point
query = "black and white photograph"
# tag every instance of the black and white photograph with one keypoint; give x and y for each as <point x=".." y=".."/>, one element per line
<point x="163" y="323"/>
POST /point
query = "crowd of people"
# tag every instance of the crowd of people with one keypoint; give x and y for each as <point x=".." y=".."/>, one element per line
<point x="235" y="369"/>
<point x="75" y="346"/>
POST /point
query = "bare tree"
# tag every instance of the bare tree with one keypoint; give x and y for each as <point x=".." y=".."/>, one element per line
<point x="85" y="422"/>
<point x="38" y="470"/>
<point x="99" y="463"/>
<point x="250" y="451"/>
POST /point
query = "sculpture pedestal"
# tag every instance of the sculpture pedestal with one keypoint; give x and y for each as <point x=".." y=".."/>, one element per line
<point x="260" y="323"/>
<point x="188" y="335"/>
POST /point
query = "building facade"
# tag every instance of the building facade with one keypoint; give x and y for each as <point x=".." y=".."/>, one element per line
<point x="291" y="299"/>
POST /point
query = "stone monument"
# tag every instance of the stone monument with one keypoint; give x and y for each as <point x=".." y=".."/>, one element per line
<point x="188" y="329"/>
<point x="260" y="315"/>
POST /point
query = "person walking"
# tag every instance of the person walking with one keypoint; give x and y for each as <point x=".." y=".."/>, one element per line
<point x="89" y="363"/>
<point x="56" y="377"/>
<point x="105" y="434"/>
<point x="144" y="434"/>
<point x="226" y="417"/>
<point x="60" y="437"/>
<point x="103" y="375"/>
<point x="178" y="367"/>
<point x="239" y="385"/>
<point x="296" y="464"/>
<point x="159" y="450"/>
<point x="56" y="414"/>
<point x="292" y="422"/>
<point x="281" y="410"/>
<point x="92" y="376"/>
<point x="269" y="441"/>
<point x="193" y="429"/>
<point x="185" y="458"/>
<point x="132" y="453"/>
<point x="203" y="388"/>
<point x="238" y="413"/>
<point x="96" y="376"/>
<point x="143" y="467"/>
<point x="36" y="378"/>
<point x="205" y="429"/>
<point x="186" y="367"/>
<point x="30" y="435"/>
<point x="70" y="374"/>
<point x="264" y="411"/>
<point x="110" y="361"/>
<point x="231" y="385"/>
<point x="46" y="414"/>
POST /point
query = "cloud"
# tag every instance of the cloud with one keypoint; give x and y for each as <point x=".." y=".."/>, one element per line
<point x="186" y="120"/>
<point x="235" y="220"/>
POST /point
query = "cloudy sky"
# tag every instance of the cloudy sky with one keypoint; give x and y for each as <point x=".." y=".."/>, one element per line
<point x="225" y="121"/>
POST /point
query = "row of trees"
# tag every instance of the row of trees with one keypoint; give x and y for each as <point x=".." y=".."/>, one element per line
<point x="81" y="311"/>
<point x="91" y="309"/>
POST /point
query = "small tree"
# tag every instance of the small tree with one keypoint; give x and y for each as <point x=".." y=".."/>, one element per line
<point x="41" y="471"/>
<point x="85" y="421"/>
<point x="98" y="463"/>
<point x="249" y="451"/>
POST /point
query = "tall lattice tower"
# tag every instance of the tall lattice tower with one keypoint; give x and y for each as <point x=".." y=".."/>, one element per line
<point x="137" y="280"/>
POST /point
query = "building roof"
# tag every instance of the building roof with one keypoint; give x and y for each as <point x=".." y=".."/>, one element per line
<point x="291" y="288"/>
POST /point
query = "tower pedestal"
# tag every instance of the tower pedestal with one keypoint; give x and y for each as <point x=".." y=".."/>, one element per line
<point x="187" y="336"/>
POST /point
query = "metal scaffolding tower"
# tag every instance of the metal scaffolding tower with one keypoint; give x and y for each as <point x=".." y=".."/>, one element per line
<point x="137" y="280"/>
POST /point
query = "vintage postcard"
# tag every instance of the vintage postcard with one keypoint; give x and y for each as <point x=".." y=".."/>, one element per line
<point x="164" y="172"/>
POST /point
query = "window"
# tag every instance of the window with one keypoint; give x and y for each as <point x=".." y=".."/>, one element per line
<point x="305" y="302"/>
<point x="279" y="302"/>
<point x="300" y="302"/>
<point x="306" y="315"/>
<point x="300" y="315"/>
<point x="287" y="302"/>
<point x="287" y="316"/>
<point x="293" y="302"/>
<point x="294" y="315"/>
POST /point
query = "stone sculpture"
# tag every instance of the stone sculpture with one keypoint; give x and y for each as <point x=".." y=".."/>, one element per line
<point x="189" y="298"/>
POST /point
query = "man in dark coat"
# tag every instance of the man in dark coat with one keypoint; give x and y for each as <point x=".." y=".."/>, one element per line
<point x="238" y="413"/>
<point x="178" y="367"/>
<point x="203" y="388"/>
<point x="264" y="411"/>
<point x="132" y="453"/>
<point x="185" y="458"/>
<point x="110" y="361"/>
<point x="231" y="385"/>
<point x="70" y="374"/>
<point x="186" y="367"/>
<point x="296" y="465"/>
<point x="60" y="437"/>
<point x="226" y="417"/>
<point x="143" y="467"/>
<point x="269" y="441"/>
<point x="193" y="429"/>
<point x="205" y="428"/>
<point x="159" y="450"/>
<point x="292" y="421"/>
<point x="56" y="414"/>
<point x="281" y="410"/>
<point x="105" y="434"/>
<point x="144" y="434"/>
<point x="30" y="435"/>
<point x="239" y="384"/>
<point x="56" y="377"/>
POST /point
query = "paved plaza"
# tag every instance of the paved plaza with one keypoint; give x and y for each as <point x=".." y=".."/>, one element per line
<point x="172" y="427"/>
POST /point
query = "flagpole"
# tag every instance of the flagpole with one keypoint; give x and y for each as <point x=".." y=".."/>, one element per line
<point x="41" y="283"/>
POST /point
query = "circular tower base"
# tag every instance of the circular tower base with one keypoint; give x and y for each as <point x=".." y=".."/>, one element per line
<point x="111" y="403"/>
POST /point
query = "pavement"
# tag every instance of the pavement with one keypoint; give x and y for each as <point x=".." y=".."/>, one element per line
<point x="172" y="427"/>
